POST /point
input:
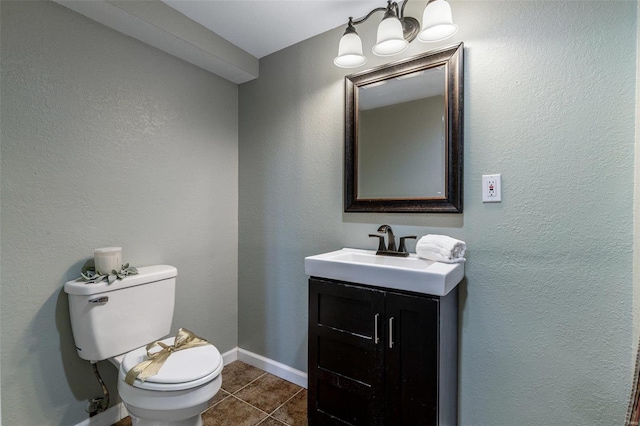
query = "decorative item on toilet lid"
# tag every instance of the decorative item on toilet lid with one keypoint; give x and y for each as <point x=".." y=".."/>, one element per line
<point x="183" y="359"/>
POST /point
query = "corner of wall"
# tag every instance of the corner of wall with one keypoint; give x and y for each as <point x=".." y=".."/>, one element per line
<point x="636" y="203"/>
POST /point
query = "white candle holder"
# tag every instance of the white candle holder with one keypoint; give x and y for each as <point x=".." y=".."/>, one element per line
<point x="107" y="259"/>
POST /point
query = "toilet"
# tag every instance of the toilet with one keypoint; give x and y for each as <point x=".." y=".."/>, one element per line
<point x="116" y="321"/>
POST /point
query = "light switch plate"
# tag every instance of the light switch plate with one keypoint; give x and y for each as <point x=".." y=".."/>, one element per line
<point x="491" y="189"/>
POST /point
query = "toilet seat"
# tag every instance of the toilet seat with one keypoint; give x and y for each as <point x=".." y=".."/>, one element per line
<point x="184" y="369"/>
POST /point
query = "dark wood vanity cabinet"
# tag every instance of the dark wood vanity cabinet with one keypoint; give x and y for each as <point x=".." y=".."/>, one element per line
<point x="381" y="357"/>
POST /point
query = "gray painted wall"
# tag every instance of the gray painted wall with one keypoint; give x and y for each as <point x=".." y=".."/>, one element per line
<point x="636" y="209"/>
<point x="546" y="315"/>
<point x="105" y="141"/>
<point x="546" y="306"/>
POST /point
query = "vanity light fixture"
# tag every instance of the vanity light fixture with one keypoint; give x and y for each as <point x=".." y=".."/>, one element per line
<point x="396" y="31"/>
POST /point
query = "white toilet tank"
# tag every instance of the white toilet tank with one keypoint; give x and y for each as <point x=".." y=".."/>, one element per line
<point x="112" y="319"/>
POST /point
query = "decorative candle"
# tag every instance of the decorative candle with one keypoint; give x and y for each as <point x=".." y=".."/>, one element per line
<point x="107" y="259"/>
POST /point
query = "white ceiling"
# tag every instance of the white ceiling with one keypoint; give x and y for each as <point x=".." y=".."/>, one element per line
<point x="225" y="37"/>
<point x="262" y="27"/>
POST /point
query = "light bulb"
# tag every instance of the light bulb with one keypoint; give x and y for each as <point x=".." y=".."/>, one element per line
<point x="350" y="50"/>
<point x="390" y="39"/>
<point x="437" y="22"/>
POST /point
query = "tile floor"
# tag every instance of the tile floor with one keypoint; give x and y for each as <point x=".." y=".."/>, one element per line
<point x="250" y="397"/>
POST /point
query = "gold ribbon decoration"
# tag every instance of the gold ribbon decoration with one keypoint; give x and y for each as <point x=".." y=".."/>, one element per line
<point x="185" y="339"/>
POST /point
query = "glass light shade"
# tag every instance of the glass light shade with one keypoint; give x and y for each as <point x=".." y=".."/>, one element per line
<point x="390" y="39"/>
<point x="437" y="23"/>
<point x="350" y="51"/>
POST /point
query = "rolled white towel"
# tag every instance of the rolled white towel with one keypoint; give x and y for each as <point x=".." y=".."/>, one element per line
<point x="441" y="248"/>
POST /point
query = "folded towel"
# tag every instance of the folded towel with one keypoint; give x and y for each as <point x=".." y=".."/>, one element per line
<point x="441" y="249"/>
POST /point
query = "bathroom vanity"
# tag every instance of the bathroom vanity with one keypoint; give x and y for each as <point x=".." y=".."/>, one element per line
<point x="382" y="354"/>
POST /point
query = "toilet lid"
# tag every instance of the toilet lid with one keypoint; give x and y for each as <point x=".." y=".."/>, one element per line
<point x="182" y="366"/>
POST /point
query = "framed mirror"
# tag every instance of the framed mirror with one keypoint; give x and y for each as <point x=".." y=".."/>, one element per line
<point x="404" y="138"/>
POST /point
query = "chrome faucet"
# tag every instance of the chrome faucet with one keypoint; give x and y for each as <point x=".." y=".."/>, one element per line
<point x="390" y="248"/>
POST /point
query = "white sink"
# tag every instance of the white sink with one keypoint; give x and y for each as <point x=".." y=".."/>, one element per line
<point x="403" y="273"/>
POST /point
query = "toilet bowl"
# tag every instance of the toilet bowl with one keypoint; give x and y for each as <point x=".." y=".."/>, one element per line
<point x="116" y="321"/>
<point x="178" y="394"/>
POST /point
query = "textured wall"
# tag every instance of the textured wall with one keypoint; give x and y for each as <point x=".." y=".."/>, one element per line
<point x="546" y="306"/>
<point x="105" y="141"/>
<point x="636" y="217"/>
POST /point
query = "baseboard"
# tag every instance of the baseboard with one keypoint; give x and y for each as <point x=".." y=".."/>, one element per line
<point x="119" y="412"/>
<point x="274" y="367"/>
<point x="230" y="356"/>
<point x="107" y="417"/>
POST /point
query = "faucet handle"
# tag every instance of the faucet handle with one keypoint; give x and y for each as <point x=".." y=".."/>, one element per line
<point x="381" y="246"/>
<point x="403" y="247"/>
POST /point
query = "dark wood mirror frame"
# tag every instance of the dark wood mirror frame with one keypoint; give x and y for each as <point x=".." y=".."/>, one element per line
<point x="452" y="59"/>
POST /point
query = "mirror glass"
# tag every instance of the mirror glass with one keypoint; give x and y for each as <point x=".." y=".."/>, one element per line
<point x="404" y="136"/>
<point x="408" y="110"/>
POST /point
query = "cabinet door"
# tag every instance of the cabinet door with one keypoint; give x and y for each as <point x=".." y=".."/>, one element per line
<point x="412" y="360"/>
<point x="346" y="354"/>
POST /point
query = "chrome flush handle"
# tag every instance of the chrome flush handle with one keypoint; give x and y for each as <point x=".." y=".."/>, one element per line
<point x="99" y="301"/>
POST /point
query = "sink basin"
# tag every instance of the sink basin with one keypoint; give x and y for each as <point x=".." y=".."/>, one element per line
<point x="402" y="273"/>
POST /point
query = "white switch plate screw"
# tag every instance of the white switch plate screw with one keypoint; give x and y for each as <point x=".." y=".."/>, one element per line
<point x="491" y="189"/>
